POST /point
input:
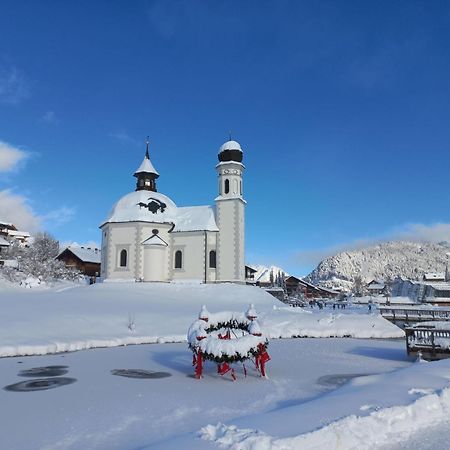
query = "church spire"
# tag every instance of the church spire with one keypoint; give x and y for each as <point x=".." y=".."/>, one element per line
<point x="146" y="174"/>
<point x="147" y="143"/>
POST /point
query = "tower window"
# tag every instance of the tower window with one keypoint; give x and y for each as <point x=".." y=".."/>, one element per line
<point x="123" y="258"/>
<point x="212" y="259"/>
<point x="240" y="187"/>
<point x="178" y="259"/>
<point x="227" y="186"/>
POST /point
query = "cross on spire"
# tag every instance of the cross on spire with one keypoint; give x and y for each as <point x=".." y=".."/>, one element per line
<point x="229" y="135"/>
<point x="147" y="143"/>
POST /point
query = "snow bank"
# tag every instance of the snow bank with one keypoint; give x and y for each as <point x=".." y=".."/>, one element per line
<point x="71" y="317"/>
<point x="374" y="427"/>
<point x="385" y="427"/>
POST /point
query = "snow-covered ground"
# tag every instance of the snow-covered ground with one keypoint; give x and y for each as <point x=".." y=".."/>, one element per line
<point x="344" y="393"/>
<point x="73" y="317"/>
<point x="103" y="411"/>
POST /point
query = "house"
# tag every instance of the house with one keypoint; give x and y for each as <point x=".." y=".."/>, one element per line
<point x="376" y="287"/>
<point x="250" y="275"/>
<point x="4" y="244"/>
<point x="85" y="259"/>
<point x="10" y="233"/>
<point x="434" y="277"/>
<point x="295" y="286"/>
<point x="147" y="237"/>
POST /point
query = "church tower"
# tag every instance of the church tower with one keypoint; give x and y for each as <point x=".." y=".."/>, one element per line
<point x="146" y="174"/>
<point x="230" y="214"/>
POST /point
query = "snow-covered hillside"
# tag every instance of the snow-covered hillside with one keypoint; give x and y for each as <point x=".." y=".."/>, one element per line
<point x="383" y="261"/>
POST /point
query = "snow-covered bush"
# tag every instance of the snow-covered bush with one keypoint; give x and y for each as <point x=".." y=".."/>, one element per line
<point x="39" y="261"/>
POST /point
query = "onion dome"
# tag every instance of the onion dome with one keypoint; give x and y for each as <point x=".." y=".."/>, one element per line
<point x="231" y="151"/>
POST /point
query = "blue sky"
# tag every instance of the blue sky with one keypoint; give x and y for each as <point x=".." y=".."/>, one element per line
<point x="342" y="109"/>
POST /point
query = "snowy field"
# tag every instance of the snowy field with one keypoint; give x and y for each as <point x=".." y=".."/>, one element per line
<point x="101" y="410"/>
<point x="76" y="317"/>
<point x="330" y="392"/>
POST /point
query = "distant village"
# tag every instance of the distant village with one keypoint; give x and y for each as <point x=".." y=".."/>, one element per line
<point x="433" y="288"/>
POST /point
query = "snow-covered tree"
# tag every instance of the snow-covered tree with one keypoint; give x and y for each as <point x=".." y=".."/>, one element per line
<point x="358" y="286"/>
<point x="39" y="261"/>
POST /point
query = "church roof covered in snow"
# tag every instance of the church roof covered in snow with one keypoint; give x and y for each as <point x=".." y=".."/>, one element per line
<point x="146" y="167"/>
<point x="143" y="206"/>
<point x="154" y="207"/>
<point x="195" y="218"/>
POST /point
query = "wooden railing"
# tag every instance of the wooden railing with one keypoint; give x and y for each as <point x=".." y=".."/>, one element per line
<point x="414" y="314"/>
<point x="429" y="341"/>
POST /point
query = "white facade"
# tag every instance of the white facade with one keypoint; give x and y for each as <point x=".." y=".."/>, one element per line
<point x="146" y="237"/>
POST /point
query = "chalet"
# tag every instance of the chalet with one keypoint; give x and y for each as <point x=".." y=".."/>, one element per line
<point x="85" y="259"/>
<point x="434" y="277"/>
<point x="10" y="233"/>
<point x="250" y="275"/>
<point x="4" y="244"/>
<point x="376" y="287"/>
<point x="438" y="293"/>
<point x="296" y="285"/>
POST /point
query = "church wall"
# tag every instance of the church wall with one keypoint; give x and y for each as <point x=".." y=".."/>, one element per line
<point x="121" y="236"/>
<point x="145" y="232"/>
<point x="192" y="246"/>
<point x="230" y="243"/>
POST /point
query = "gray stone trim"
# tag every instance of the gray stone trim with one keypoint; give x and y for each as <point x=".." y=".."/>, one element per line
<point x="119" y="248"/>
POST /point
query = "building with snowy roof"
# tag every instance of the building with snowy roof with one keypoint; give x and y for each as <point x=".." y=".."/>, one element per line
<point x="147" y="237"/>
<point x="85" y="259"/>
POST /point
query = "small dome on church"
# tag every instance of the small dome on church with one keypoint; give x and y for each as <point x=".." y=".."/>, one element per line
<point x="143" y="206"/>
<point x="231" y="151"/>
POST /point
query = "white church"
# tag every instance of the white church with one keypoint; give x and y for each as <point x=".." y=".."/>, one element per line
<point x="147" y="237"/>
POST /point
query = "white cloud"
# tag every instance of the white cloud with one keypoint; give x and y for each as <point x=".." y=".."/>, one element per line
<point x="125" y="138"/>
<point x="436" y="232"/>
<point x="14" y="208"/>
<point x="49" y="117"/>
<point x="13" y="86"/>
<point x="10" y="157"/>
<point x="59" y="216"/>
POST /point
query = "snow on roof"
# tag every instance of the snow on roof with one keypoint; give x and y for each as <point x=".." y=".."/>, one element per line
<point x="6" y="224"/>
<point x="4" y="242"/>
<point x="155" y="240"/>
<point x="195" y="218"/>
<point x="230" y="145"/>
<point x="375" y="286"/>
<point x="86" y="254"/>
<point x="434" y="276"/>
<point x="18" y="233"/>
<point x="146" y="167"/>
<point x="133" y="207"/>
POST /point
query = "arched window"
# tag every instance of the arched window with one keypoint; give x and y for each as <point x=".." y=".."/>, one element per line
<point x="212" y="259"/>
<point x="240" y="187"/>
<point x="123" y="258"/>
<point x="227" y="186"/>
<point x="178" y="259"/>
